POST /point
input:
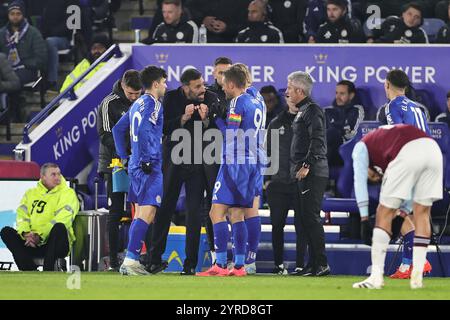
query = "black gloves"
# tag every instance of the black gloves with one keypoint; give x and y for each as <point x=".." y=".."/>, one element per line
<point x="366" y="232"/>
<point x="146" y="167"/>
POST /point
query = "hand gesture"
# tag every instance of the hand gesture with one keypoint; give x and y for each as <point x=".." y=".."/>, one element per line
<point x="302" y="173"/>
<point x="203" y="111"/>
<point x="188" y="112"/>
<point x="209" y="23"/>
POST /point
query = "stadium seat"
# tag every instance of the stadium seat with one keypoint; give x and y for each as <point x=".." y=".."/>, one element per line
<point x="432" y="27"/>
<point x="12" y="169"/>
<point x="424" y="97"/>
<point x="364" y="98"/>
<point x="138" y="24"/>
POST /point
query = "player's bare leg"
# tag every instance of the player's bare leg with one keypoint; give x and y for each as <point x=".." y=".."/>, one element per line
<point x="421" y="242"/>
<point x="380" y="242"/>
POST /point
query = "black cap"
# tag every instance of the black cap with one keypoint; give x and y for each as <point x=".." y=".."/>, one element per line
<point x="17" y="5"/>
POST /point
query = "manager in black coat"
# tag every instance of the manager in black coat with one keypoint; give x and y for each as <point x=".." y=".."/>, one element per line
<point x="188" y="107"/>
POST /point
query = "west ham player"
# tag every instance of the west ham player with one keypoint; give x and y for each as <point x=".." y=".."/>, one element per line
<point x="144" y="120"/>
<point x="402" y="110"/>
<point x="391" y="152"/>
<point x="235" y="185"/>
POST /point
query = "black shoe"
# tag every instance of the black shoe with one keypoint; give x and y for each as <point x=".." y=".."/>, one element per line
<point x="322" y="271"/>
<point x="302" y="272"/>
<point x="156" y="268"/>
<point x="281" y="270"/>
<point x="188" y="272"/>
<point x="112" y="269"/>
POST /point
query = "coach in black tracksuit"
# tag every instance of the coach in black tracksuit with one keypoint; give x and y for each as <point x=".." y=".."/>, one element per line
<point x="281" y="188"/>
<point x="112" y="108"/>
<point x="309" y="166"/>
<point x="182" y="110"/>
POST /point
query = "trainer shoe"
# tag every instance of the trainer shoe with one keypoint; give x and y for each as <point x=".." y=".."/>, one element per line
<point x="416" y="281"/>
<point x="188" y="271"/>
<point x="281" y="270"/>
<point x="133" y="269"/>
<point x="237" y="272"/>
<point x="250" y="268"/>
<point x="156" y="268"/>
<point x="370" y="283"/>
<point x="214" y="271"/>
<point x="404" y="271"/>
<point x="302" y="272"/>
<point x="322" y="271"/>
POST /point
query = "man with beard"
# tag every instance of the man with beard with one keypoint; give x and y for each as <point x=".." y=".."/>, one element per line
<point x="100" y="44"/>
<point x="113" y="107"/>
<point x="25" y="48"/>
<point x="339" y="27"/>
<point x="187" y="107"/>
<point x="259" y="28"/>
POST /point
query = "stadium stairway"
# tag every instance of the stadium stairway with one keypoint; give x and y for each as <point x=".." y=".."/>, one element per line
<point x="346" y="256"/>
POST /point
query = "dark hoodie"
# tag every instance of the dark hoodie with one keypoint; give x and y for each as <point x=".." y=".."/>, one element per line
<point x="111" y="109"/>
<point x="344" y="30"/>
<point x="186" y="31"/>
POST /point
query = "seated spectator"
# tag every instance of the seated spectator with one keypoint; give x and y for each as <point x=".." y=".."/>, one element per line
<point x="9" y="81"/>
<point x="440" y="10"/>
<point x="316" y="15"/>
<point x="404" y="29"/>
<point x="395" y="7"/>
<point x="339" y="27"/>
<point x="26" y="51"/>
<point x="100" y="44"/>
<point x="273" y="103"/>
<point x="342" y="120"/>
<point x="222" y="18"/>
<point x="444" y="33"/>
<point x="44" y="222"/>
<point x="55" y="32"/>
<point x="176" y="27"/>
<point x="288" y="16"/>
<point x="445" y="116"/>
<point x="259" y="28"/>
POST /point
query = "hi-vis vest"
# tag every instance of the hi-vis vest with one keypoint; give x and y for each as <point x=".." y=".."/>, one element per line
<point x="77" y="72"/>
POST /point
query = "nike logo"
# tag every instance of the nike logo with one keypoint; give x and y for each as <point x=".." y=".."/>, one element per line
<point x="304" y="192"/>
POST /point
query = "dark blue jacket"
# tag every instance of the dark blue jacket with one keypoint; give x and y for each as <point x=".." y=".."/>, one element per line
<point x="346" y="119"/>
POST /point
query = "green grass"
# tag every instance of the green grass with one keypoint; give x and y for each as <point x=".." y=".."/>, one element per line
<point x="27" y="285"/>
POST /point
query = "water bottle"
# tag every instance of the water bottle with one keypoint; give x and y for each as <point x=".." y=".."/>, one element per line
<point x="202" y="34"/>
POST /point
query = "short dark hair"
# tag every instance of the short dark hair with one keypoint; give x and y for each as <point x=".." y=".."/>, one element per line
<point x="236" y="75"/>
<point x="350" y="85"/>
<point x="174" y="2"/>
<point x="398" y="78"/>
<point x="46" y="166"/>
<point x="132" y="79"/>
<point x="222" y="60"/>
<point x="190" y="75"/>
<point x="448" y="94"/>
<point x="340" y="3"/>
<point x="413" y="5"/>
<point x="152" y="74"/>
<point x="268" y="90"/>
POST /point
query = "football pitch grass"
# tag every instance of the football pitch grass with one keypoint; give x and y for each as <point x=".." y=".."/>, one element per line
<point x="97" y="285"/>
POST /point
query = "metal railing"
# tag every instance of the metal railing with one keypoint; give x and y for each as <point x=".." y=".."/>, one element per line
<point x="114" y="50"/>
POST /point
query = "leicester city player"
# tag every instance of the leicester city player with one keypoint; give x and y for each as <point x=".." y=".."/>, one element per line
<point x="144" y="120"/>
<point x="235" y="185"/>
<point x="399" y="110"/>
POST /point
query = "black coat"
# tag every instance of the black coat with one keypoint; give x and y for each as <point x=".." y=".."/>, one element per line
<point x="288" y="16"/>
<point x="260" y="32"/>
<point x="394" y="29"/>
<point x="444" y="34"/>
<point x="345" y="30"/>
<point x="54" y="19"/>
<point x="283" y="124"/>
<point x="175" y="103"/>
<point x="309" y="143"/>
<point x="232" y="12"/>
<point x="186" y="31"/>
<point x="112" y="108"/>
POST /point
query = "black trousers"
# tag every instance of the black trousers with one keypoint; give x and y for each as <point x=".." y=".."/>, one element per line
<point x="282" y="197"/>
<point x="195" y="188"/>
<point x="116" y="201"/>
<point x="57" y="246"/>
<point x="211" y="172"/>
<point x="334" y="141"/>
<point x="310" y="191"/>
